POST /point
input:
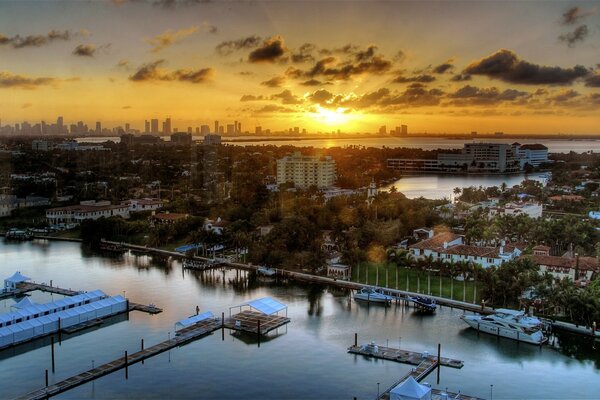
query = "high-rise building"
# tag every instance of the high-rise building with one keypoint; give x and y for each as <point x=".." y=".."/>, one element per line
<point x="127" y="128"/>
<point x="154" y="126"/>
<point x="230" y="129"/>
<point x="382" y="130"/>
<point x="306" y="171"/>
<point x="216" y="127"/>
<point x="98" y="127"/>
<point x="221" y="130"/>
<point x="59" y="125"/>
<point x="258" y="130"/>
<point x="146" y="126"/>
<point x="204" y="130"/>
<point x="404" y="130"/>
<point x="239" y="127"/>
<point x="167" y="130"/>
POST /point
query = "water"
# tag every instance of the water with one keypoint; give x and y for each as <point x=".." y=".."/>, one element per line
<point x="442" y="186"/>
<point x="426" y="143"/>
<point x="307" y="360"/>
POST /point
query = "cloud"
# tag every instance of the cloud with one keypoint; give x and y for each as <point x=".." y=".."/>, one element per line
<point x="169" y="37"/>
<point x="443" y="68"/>
<point x="347" y="49"/>
<point x="123" y="63"/>
<point x="274" y="82"/>
<point x="230" y="46"/>
<point x="311" y="82"/>
<point x="8" y="80"/>
<point x="333" y="69"/>
<point x="471" y="95"/>
<point x="506" y="66"/>
<point x="273" y="108"/>
<point x="578" y="35"/>
<point x="126" y="107"/>
<point x="251" y="97"/>
<point x="425" y="78"/>
<point x="88" y="50"/>
<point x="19" y="42"/>
<point x="461" y="78"/>
<point x="172" y="4"/>
<point x="209" y="28"/>
<point x="564" y="95"/>
<point x="270" y="51"/>
<point x="26" y="105"/>
<point x="304" y="53"/>
<point x="593" y="80"/>
<point x="152" y="72"/>
<point x="399" y="56"/>
<point x="287" y="97"/>
<point x="575" y="14"/>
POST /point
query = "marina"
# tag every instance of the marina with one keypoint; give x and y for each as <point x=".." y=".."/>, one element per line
<point x="320" y="318"/>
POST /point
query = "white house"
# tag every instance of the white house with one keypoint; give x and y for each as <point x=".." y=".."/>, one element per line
<point x="85" y="210"/>
<point x="450" y="247"/>
<point x="532" y="210"/>
<point x="138" y="205"/>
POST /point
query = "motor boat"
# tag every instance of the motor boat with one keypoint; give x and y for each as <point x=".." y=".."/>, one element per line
<point x="373" y="295"/>
<point x="424" y="303"/>
<point x="266" y="271"/>
<point x="510" y="324"/>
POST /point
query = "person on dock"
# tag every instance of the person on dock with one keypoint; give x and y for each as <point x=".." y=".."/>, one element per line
<point x="197" y="310"/>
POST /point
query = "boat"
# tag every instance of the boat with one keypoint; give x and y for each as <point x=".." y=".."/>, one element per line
<point x="18" y="234"/>
<point x="510" y="324"/>
<point x="266" y="271"/>
<point x="424" y="303"/>
<point x="373" y="295"/>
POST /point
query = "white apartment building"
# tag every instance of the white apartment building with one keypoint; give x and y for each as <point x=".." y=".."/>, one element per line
<point x="533" y="154"/>
<point x="532" y="210"/>
<point x="306" y="171"/>
<point x="85" y="210"/>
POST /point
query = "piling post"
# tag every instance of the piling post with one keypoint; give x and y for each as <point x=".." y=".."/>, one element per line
<point x="439" y="360"/>
<point x="126" y="366"/>
<point x="142" y="348"/>
<point x="46" y="378"/>
<point x="355" y="339"/>
<point x="59" y="332"/>
<point x="223" y="326"/>
<point x="258" y="333"/>
<point x="52" y="351"/>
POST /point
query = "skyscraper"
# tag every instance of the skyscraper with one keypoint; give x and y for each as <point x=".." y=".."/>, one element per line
<point x="98" y="127"/>
<point x="146" y="126"/>
<point x="404" y="130"/>
<point x="216" y="126"/>
<point x="167" y="126"/>
<point x="154" y="126"/>
<point x="204" y="130"/>
<point x="230" y="129"/>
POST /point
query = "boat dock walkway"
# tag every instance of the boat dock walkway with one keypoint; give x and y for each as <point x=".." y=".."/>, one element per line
<point x="30" y="287"/>
<point x="254" y="322"/>
<point x="183" y="336"/>
<point x="402" y="356"/>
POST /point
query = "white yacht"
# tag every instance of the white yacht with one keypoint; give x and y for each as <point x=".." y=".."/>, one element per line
<point x="373" y="295"/>
<point x="510" y="324"/>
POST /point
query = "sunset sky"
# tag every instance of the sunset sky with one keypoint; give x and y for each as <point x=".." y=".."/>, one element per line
<point x="518" y="67"/>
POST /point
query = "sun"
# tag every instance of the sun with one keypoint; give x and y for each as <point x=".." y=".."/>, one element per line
<point x="329" y="117"/>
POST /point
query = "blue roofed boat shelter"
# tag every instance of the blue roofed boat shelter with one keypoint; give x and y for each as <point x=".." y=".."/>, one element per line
<point x="264" y="305"/>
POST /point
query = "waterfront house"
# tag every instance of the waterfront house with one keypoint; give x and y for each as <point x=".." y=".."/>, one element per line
<point x="450" y="247"/>
<point x="215" y="226"/>
<point x="571" y="266"/>
<point x="147" y="204"/>
<point x="166" y="218"/>
<point x="531" y="209"/>
<point x="85" y="210"/>
<point x="339" y="271"/>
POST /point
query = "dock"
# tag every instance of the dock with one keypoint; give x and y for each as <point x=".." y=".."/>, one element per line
<point x="403" y="356"/>
<point x="182" y="337"/>
<point x="30" y="287"/>
<point x="254" y="322"/>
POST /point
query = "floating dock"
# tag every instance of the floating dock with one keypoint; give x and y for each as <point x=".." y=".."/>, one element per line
<point x="183" y="336"/>
<point x="255" y="322"/>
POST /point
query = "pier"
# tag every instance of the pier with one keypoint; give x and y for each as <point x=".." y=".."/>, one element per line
<point x="183" y="336"/>
<point x="255" y="322"/>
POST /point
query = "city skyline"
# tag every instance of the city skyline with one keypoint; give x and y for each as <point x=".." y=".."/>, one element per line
<point x="530" y="69"/>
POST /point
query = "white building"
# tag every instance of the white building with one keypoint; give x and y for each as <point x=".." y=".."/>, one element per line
<point x="9" y="203"/>
<point x="41" y="145"/>
<point x="138" y="205"/>
<point x="450" y="247"/>
<point x="532" y="210"/>
<point x="533" y="154"/>
<point x="577" y="269"/>
<point x="306" y="171"/>
<point x="85" y="210"/>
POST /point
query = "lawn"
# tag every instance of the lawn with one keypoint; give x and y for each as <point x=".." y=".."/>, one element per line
<point x="390" y="276"/>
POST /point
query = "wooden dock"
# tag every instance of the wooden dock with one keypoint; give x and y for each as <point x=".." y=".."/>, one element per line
<point x="182" y="337"/>
<point x="30" y="287"/>
<point x="254" y="322"/>
<point x="402" y="356"/>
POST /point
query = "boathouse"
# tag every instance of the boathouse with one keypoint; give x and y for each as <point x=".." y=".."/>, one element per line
<point x="184" y="323"/>
<point x="12" y="282"/>
<point x="410" y="389"/>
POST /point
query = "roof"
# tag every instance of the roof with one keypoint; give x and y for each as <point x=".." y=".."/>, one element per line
<point x="534" y="146"/>
<point x="17" y="277"/>
<point x="437" y="241"/>
<point x="25" y="302"/>
<point x="87" y="208"/>
<point x="410" y="388"/>
<point x="194" y="319"/>
<point x="541" y="247"/>
<point x="143" y="201"/>
<point x="266" y="305"/>
<point x="585" y="263"/>
<point x="169" y="216"/>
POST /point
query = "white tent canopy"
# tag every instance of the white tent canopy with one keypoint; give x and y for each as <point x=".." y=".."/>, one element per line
<point x="265" y="305"/>
<point x="410" y="389"/>
<point x="25" y="302"/>
<point x="10" y="283"/>
<point x="184" y="323"/>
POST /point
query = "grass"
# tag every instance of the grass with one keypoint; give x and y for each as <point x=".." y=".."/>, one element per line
<point x="390" y="276"/>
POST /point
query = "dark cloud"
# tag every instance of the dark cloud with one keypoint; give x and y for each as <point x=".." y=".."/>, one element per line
<point x="461" y="78"/>
<point x="366" y="55"/>
<point x="273" y="108"/>
<point x="564" y="95"/>
<point x="331" y="69"/>
<point x="270" y="51"/>
<point x="578" y="35"/>
<point x="251" y="97"/>
<point x="471" y="95"/>
<point x="443" y="68"/>
<point x="506" y="66"/>
<point x="246" y="73"/>
<point x="19" y="42"/>
<point x="126" y="107"/>
<point x="172" y="4"/>
<point x="274" y="82"/>
<point x="8" y="80"/>
<point x="593" y="80"/>
<point x="321" y="96"/>
<point x="574" y="15"/>
<point x="347" y="49"/>
<point x="304" y="53"/>
<point x="230" y="46"/>
<point x="311" y="82"/>
<point x="26" y="105"/>
<point x="399" y="56"/>
<point x="425" y="78"/>
<point x="152" y="72"/>
<point x="287" y="97"/>
<point x="89" y="50"/>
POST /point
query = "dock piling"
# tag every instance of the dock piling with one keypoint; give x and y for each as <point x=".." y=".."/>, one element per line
<point x="438" y="362"/>
<point x="355" y="339"/>
<point x="223" y="326"/>
<point x="126" y="366"/>
<point x="258" y="332"/>
<point x="46" y="378"/>
<point x="52" y="352"/>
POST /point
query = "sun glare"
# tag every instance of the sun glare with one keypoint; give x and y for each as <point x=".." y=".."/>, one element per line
<point x="329" y="117"/>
